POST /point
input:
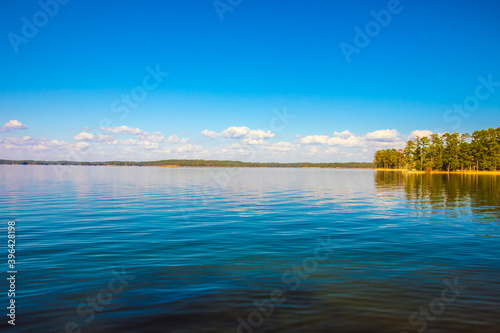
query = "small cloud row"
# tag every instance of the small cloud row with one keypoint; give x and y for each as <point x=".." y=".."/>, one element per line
<point x="379" y="138"/>
<point x="146" y="139"/>
<point x="242" y="132"/>
<point x="246" y="142"/>
<point x="142" y="135"/>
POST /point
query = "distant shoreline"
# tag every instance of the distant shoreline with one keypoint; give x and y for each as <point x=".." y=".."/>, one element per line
<point x="199" y="163"/>
<point x="466" y="172"/>
<point x="239" y="164"/>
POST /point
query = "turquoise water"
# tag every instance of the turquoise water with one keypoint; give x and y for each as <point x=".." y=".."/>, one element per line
<point x="145" y="249"/>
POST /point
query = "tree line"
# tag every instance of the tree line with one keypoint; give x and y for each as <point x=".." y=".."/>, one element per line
<point x="447" y="152"/>
<point x="198" y="163"/>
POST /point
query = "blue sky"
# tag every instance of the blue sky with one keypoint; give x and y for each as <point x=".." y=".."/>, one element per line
<point x="424" y="66"/>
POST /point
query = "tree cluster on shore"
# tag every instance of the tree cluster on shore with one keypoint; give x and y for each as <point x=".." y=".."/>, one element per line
<point x="197" y="163"/>
<point x="446" y="152"/>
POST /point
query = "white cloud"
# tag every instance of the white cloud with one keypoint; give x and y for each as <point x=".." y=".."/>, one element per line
<point x="314" y="139"/>
<point x="189" y="148"/>
<point x="142" y="135"/>
<point x="55" y="143"/>
<point x="280" y="146"/>
<point x="127" y="142"/>
<point x="175" y="139"/>
<point x="210" y="134"/>
<point x="12" y="125"/>
<point x="249" y="141"/>
<point x="81" y="145"/>
<point x="153" y="137"/>
<point x="368" y="142"/>
<point x="260" y="134"/>
<point x="343" y="135"/>
<point x="242" y="132"/>
<point x="234" y="132"/>
<point x="148" y="144"/>
<point x="333" y="150"/>
<point x="351" y="141"/>
<point x="30" y="148"/>
<point x="383" y="136"/>
<point x="344" y="139"/>
<point x="420" y="134"/>
<point x="84" y="136"/>
<point x="122" y="130"/>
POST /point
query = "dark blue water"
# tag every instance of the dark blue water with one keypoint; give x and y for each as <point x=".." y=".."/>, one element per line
<point x="136" y="249"/>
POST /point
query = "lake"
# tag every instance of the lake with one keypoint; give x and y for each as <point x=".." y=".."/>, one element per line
<point x="151" y="249"/>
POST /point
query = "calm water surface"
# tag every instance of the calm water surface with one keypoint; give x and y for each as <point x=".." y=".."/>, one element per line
<point x="131" y="249"/>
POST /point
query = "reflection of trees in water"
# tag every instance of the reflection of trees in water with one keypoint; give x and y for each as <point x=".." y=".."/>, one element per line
<point x="444" y="190"/>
